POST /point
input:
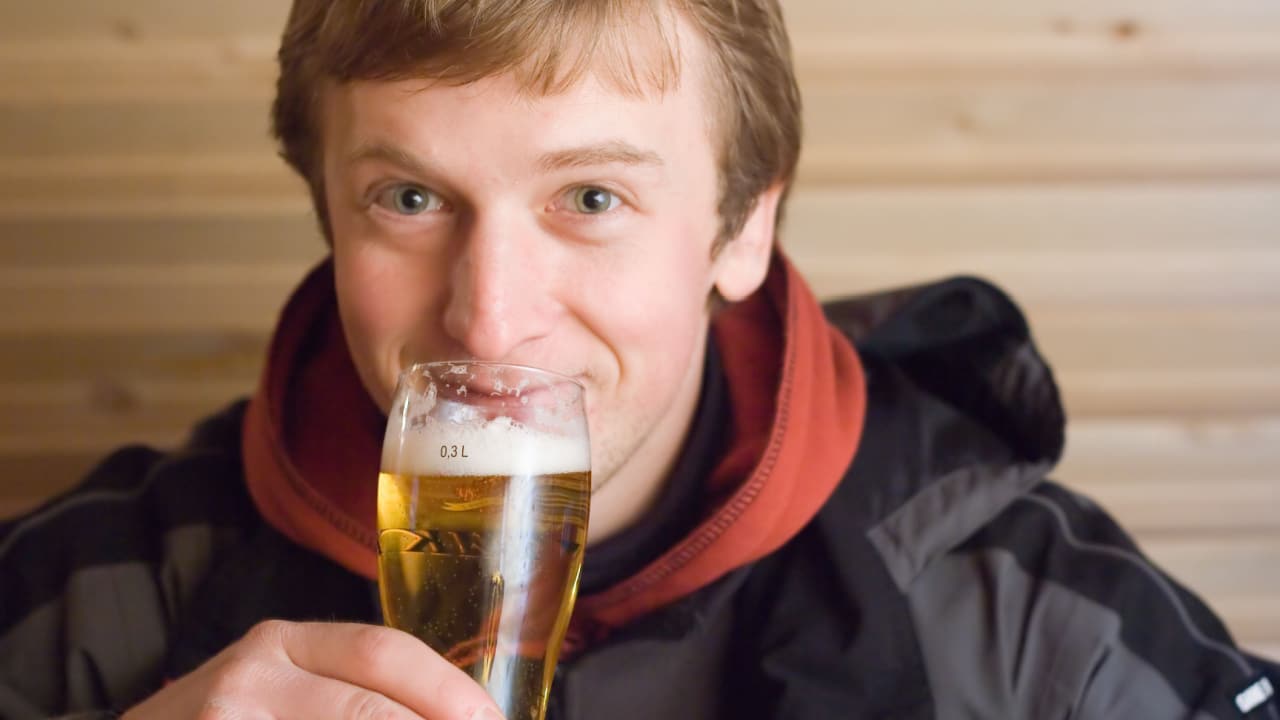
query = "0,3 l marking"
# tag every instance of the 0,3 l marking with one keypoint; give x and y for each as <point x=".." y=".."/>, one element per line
<point x="453" y="451"/>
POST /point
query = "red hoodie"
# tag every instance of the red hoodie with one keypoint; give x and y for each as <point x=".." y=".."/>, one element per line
<point x="312" y="441"/>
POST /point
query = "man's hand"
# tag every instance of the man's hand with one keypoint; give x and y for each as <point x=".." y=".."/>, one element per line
<point x="322" y="671"/>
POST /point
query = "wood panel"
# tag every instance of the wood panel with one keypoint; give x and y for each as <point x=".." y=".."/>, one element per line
<point x="148" y="185"/>
<point x="99" y="414"/>
<point x="886" y="17"/>
<point x="1089" y="217"/>
<point x="854" y="162"/>
<point x="1173" y="477"/>
<point x="152" y="18"/>
<point x="1195" y="395"/>
<point x="136" y="19"/>
<point x="193" y="352"/>
<point x="138" y="298"/>
<point x="125" y="130"/>
<point x="1232" y="572"/>
<point x="31" y="242"/>
<point x="1064" y="277"/>
<point x="944" y="110"/>
<point x="80" y="71"/>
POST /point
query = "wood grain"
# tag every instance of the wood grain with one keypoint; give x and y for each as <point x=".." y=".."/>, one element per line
<point x="880" y="17"/>
<point x="1173" y="477"/>
<point x="158" y="17"/>
<point x="1036" y="218"/>
<point x="137" y="19"/>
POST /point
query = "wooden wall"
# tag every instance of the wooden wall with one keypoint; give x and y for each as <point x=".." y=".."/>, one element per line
<point x="1114" y="163"/>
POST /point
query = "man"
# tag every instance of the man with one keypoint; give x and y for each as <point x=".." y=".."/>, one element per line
<point x="782" y="526"/>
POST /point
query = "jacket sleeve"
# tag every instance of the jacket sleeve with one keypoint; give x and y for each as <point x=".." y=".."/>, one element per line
<point x="1061" y="615"/>
<point x="95" y="580"/>
<point x="82" y="608"/>
<point x="1169" y="655"/>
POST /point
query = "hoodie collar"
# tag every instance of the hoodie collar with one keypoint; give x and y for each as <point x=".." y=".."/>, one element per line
<point x="312" y="436"/>
<point x="797" y="398"/>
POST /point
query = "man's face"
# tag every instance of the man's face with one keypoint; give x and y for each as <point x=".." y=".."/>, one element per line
<point x="571" y="232"/>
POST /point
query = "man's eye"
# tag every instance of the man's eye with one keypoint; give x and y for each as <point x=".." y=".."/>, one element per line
<point x="594" y="200"/>
<point x="408" y="199"/>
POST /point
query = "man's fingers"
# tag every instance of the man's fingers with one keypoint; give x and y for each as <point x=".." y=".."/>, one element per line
<point x="246" y="688"/>
<point x="387" y="662"/>
<point x="322" y="697"/>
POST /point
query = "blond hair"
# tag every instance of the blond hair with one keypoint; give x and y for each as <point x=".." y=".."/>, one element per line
<point x="548" y="45"/>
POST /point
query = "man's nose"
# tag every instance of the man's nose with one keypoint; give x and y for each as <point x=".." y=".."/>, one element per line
<point x="499" y="296"/>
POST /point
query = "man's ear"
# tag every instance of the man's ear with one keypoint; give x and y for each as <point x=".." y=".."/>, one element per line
<point x="743" y="262"/>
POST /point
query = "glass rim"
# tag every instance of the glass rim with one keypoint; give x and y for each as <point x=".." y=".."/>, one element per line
<point x="419" y="366"/>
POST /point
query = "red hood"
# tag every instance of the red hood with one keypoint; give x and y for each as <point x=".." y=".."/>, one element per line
<point x="312" y="440"/>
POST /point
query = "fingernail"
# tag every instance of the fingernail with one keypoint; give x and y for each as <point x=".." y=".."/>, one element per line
<point x="487" y="713"/>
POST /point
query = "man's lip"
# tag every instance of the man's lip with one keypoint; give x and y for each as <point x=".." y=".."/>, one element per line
<point x="478" y="382"/>
<point x="522" y="395"/>
<point x="579" y="377"/>
<point x="476" y="385"/>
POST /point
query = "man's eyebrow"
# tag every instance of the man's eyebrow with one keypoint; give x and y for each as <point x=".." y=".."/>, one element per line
<point x="387" y="153"/>
<point x="608" y="153"/>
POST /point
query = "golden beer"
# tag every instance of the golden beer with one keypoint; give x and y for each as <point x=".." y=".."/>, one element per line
<point x="484" y="569"/>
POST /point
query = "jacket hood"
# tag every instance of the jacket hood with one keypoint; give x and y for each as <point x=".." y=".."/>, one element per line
<point x="963" y="418"/>
<point x="312" y="436"/>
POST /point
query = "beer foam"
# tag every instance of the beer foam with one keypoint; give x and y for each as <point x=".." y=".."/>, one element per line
<point x="499" y="446"/>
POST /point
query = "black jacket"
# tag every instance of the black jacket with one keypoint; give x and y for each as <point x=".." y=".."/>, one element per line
<point x="947" y="577"/>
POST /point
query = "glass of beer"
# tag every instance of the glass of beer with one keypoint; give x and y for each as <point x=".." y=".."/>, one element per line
<point x="482" y="520"/>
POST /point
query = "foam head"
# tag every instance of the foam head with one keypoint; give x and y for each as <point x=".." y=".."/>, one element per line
<point x="497" y="446"/>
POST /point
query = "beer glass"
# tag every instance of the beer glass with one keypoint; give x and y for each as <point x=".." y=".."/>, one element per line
<point x="482" y="520"/>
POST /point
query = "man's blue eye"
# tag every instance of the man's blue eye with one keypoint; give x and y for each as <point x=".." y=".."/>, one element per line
<point x="594" y="200"/>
